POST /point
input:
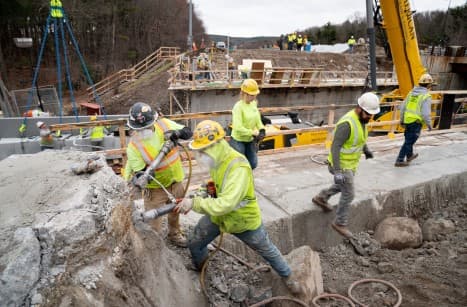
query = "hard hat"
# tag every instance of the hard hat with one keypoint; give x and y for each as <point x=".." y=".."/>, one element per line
<point x="250" y="87"/>
<point x="369" y="102"/>
<point x="205" y="134"/>
<point x="39" y="124"/>
<point x="425" y="79"/>
<point x="93" y="118"/>
<point x="141" y="116"/>
<point x="351" y="36"/>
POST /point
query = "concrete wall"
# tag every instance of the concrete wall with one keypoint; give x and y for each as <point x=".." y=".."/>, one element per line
<point x="216" y="100"/>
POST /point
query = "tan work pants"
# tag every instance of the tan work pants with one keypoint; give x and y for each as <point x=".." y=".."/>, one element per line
<point x="156" y="198"/>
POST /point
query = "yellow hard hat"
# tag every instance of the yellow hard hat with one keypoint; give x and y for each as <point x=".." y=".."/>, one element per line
<point x="206" y="133"/>
<point x="250" y="87"/>
<point x="425" y="79"/>
<point x="93" y="118"/>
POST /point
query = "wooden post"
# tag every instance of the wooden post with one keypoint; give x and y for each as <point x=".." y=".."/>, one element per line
<point x="121" y="133"/>
<point x="331" y="112"/>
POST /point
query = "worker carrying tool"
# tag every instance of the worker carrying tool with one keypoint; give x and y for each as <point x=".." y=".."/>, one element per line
<point x="415" y="112"/>
<point x="234" y="209"/>
<point x="152" y="147"/>
<point x="349" y="143"/>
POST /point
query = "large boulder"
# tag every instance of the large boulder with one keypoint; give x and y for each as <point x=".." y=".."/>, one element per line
<point x="306" y="268"/>
<point x="399" y="233"/>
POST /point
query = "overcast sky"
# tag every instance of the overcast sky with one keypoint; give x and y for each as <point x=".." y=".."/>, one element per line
<point x="249" y="18"/>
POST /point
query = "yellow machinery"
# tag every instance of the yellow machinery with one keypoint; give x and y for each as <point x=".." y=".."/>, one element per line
<point x="283" y="122"/>
<point x="400" y="30"/>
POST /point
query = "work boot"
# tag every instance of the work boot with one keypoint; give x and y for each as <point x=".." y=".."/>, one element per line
<point x="342" y="230"/>
<point x="401" y="163"/>
<point x="320" y="202"/>
<point x="293" y="285"/>
<point x="412" y="157"/>
<point x="177" y="238"/>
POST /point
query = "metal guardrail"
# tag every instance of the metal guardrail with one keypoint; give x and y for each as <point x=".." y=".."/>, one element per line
<point x="126" y="75"/>
<point x="275" y="77"/>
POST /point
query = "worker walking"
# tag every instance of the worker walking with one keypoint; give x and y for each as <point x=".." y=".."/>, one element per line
<point x="149" y="134"/>
<point x="349" y="143"/>
<point x="247" y="128"/>
<point x="234" y="209"/>
<point x="47" y="141"/>
<point x="415" y="112"/>
<point x="96" y="134"/>
<point x="351" y="43"/>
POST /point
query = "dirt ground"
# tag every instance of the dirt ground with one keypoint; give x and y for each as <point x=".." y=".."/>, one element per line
<point x="433" y="275"/>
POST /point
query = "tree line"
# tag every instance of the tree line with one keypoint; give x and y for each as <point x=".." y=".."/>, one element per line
<point x="111" y="34"/>
<point x="433" y="28"/>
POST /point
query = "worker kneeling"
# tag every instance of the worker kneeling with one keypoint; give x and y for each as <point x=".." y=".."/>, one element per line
<point x="147" y="140"/>
<point x="235" y="210"/>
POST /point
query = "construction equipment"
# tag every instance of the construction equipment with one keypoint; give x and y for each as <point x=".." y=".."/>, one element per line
<point x="141" y="180"/>
<point x="290" y="122"/>
<point x="397" y="21"/>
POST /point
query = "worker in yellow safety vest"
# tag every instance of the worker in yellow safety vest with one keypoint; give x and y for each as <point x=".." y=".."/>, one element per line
<point x="233" y="208"/>
<point x="149" y="134"/>
<point x="351" y="43"/>
<point x="415" y="112"/>
<point x="349" y="142"/>
<point x="96" y="134"/>
<point x="56" y="9"/>
<point x="299" y="42"/>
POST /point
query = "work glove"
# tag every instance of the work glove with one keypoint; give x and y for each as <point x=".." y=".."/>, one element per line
<point x="339" y="177"/>
<point x="172" y="135"/>
<point x="261" y="135"/>
<point x="184" y="206"/>
<point x="369" y="155"/>
<point x="140" y="180"/>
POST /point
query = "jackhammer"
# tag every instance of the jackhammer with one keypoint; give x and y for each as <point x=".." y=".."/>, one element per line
<point x="142" y="179"/>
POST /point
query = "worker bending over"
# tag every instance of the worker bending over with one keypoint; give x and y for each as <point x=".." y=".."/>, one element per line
<point x="149" y="134"/>
<point x="349" y="143"/>
<point x="235" y="208"/>
<point x="415" y="111"/>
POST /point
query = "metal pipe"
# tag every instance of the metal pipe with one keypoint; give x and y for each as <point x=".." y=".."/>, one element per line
<point x="371" y="38"/>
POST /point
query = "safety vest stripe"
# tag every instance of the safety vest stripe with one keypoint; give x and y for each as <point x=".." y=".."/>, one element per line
<point x="147" y="157"/>
<point x="173" y="155"/>
<point x="244" y="202"/>
<point x="354" y="147"/>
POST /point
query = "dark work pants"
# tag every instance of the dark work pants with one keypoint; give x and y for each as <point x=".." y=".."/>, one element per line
<point x="411" y="134"/>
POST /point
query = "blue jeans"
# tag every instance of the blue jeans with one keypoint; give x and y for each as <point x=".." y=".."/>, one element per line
<point x="411" y="134"/>
<point x="248" y="149"/>
<point x="347" y="191"/>
<point x="258" y="240"/>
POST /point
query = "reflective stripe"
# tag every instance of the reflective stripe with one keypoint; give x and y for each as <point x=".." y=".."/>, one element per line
<point x="170" y="159"/>
<point x="244" y="202"/>
<point x="354" y="147"/>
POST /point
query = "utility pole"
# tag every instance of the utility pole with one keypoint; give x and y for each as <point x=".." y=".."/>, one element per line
<point x="190" y="27"/>
<point x="372" y="43"/>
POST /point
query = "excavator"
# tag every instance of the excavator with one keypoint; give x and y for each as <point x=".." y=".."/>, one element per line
<point x="397" y="21"/>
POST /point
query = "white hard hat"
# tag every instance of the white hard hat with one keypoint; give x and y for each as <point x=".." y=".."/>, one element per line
<point x="425" y="79"/>
<point x="369" y="102"/>
<point x="39" y="124"/>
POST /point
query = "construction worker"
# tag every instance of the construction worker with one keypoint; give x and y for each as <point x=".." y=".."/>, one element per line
<point x="351" y="43"/>
<point x="234" y="208"/>
<point x="96" y="134"/>
<point x="247" y="128"/>
<point x="232" y="67"/>
<point x="149" y="134"/>
<point x="56" y="9"/>
<point x="290" y="41"/>
<point x="349" y="143"/>
<point x="415" y="112"/>
<point x="299" y="42"/>
<point x="47" y="140"/>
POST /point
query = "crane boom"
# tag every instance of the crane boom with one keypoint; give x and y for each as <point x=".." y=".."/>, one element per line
<point x="400" y="30"/>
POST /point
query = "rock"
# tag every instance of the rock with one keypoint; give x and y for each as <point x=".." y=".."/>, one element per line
<point x="306" y="268"/>
<point x="36" y="299"/>
<point x="260" y="295"/>
<point x="20" y="267"/>
<point x="239" y="293"/>
<point x="435" y="228"/>
<point x="385" y="267"/>
<point x="398" y="233"/>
